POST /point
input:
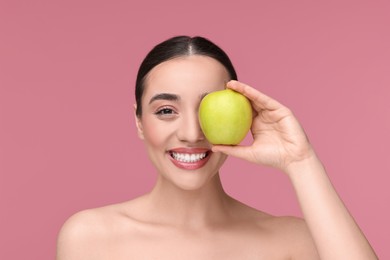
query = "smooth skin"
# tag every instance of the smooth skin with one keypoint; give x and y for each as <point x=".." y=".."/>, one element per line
<point x="188" y="215"/>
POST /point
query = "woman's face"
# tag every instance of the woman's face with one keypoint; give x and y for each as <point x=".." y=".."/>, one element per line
<point x="169" y="122"/>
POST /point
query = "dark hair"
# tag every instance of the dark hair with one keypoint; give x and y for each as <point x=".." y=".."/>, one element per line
<point x="176" y="47"/>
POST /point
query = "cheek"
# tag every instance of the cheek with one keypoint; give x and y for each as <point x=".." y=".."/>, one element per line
<point x="156" y="133"/>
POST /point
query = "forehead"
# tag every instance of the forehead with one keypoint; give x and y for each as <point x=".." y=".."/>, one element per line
<point x="192" y="74"/>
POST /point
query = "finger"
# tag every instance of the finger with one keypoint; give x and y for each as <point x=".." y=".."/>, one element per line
<point x="259" y="99"/>
<point x="236" y="151"/>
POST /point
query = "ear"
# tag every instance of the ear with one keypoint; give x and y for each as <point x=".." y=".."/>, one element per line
<point x="138" y="123"/>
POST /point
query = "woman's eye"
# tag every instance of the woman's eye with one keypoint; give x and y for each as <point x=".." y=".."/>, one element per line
<point x="166" y="112"/>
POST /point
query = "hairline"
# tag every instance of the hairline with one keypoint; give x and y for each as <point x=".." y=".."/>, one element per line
<point x="182" y="56"/>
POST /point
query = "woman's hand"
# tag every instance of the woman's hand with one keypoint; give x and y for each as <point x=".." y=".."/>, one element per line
<point x="278" y="138"/>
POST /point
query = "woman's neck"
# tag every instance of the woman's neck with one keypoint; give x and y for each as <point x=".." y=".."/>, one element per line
<point x="169" y="204"/>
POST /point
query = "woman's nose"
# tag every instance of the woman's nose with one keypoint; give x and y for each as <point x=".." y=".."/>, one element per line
<point x="189" y="129"/>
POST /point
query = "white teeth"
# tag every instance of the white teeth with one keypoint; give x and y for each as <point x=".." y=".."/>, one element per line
<point x="188" y="158"/>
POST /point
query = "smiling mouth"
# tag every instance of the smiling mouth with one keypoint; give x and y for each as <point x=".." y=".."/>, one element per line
<point x="188" y="157"/>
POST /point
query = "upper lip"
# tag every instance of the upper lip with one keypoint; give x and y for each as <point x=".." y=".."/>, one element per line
<point x="189" y="150"/>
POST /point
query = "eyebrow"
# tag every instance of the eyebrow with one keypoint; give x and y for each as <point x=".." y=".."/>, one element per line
<point x="164" y="96"/>
<point x="171" y="97"/>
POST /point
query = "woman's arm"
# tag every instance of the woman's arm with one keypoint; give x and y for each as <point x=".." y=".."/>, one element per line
<point x="280" y="141"/>
<point x="334" y="231"/>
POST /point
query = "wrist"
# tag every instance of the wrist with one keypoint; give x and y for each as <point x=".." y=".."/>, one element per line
<point x="309" y="163"/>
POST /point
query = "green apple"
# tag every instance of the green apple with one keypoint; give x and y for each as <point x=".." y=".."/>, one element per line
<point x="225" y="117"/>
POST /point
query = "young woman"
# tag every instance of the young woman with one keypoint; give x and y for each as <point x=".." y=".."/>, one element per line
<point x="188" y="215"/>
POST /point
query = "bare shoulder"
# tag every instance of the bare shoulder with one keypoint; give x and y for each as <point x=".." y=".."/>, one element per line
<point x="293" y="234"/>
<point x="80" y="234"/>
<point x="84" y="222"/>
<point x="88" y="233"/>
<point x="284" y="237"/>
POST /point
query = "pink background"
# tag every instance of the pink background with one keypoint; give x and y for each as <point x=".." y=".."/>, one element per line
<point x="67" y="73"/>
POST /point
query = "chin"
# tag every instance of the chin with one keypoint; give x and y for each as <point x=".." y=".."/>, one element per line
<point x="191" y="180"/>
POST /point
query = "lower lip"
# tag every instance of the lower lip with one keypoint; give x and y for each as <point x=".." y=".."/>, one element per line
<point x="190" y="165"/>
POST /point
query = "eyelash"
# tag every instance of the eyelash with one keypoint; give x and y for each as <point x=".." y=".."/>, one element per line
<point x="165" y="112"/>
